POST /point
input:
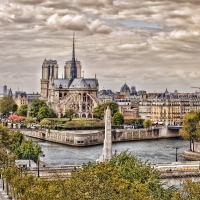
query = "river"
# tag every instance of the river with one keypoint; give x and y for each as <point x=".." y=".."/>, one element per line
<point x="153" y="151"/>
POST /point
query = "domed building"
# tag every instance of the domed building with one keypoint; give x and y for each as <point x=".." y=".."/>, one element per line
<point x="125" y="90"/>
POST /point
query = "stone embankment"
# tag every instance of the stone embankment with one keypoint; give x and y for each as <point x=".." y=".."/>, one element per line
<point x="190" y="155"/>
<point x="88" y="138"/>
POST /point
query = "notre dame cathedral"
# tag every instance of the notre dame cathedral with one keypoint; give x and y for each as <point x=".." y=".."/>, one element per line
<point x="73" y="91"/>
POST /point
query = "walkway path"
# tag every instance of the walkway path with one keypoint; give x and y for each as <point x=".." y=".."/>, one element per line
<point x="3" y="195"/>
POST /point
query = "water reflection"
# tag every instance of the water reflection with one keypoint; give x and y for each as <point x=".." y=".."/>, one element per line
<point x="154" y="151"/>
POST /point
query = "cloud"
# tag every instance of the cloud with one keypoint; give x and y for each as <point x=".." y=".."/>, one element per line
<point x="149" y="43"/>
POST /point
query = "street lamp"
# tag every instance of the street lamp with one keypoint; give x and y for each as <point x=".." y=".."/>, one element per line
<point x="29" y="159"/>
<point x="38" y="162"/>
<point x="177" y="154"/>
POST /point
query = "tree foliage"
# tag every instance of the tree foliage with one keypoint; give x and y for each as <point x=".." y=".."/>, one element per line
<point x="191" y="127"/>
<point x="28" y="149"/>
<point x="40" y="110"/>
<point x="118" y="119"/>
<point x="147" y="123"/>
<point x="45" y="112"/>
<point x="35" y="107"/>
<point x="22" y="110"/>
<point x="99" y="110"/>
<point x="123" y="177"/>
<point x="69" y="114"/>
<point x="189" y="191"/>
<point x="7" y="105"/>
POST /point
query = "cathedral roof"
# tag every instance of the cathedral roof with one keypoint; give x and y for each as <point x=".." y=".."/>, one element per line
<point x="63" y="83"/>
<point x="83" y="83"/>
<point x="125" y="88"/>
<point x="76" y="83"/>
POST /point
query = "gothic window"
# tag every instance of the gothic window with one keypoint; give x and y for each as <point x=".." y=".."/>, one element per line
<point x="83" y="107"/>
<point x="60" y="94"/>
<point x="60" y="86"/>
<point x="53" y="71"/>
<point x="84" y="97"/>
<point x="48" y="72"/>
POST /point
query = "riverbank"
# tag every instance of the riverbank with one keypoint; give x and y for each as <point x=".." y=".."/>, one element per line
<point x="91" y="138"/>
<point x="190" y="155"/>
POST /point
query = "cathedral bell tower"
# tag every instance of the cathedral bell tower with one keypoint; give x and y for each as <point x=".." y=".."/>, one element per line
<point x="49" y="71"/>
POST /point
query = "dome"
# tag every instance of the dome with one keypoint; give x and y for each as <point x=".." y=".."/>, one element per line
<point x="125" y="88"/>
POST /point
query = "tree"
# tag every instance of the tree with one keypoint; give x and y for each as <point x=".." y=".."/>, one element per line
<point x="69" y="114"/>
<point x="35" y="107"/>
<point x="118" y="119"/>
<point x="22" y="110"/>
<point x="189" y="190"/>
<point x="4" y="136"/>
<point x="147" y="123"/>
<point x="191" y="127"/>
<point x="45" y="112"/>
<point x="7" y="105"/>
<point x="140" y="121"/>
<point x="28" y="149"/>
<point x="30" y="120"/>
<point x="99" y="110"/>
<point x="15" y="107"/>
<point x="45" y="122"/>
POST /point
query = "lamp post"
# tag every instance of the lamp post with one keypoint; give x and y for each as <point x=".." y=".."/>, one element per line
<point x="38" y="162"/>
<point x="29" y="159"/>
<point x="177" y="154"/>
<point x="38" y="167"/>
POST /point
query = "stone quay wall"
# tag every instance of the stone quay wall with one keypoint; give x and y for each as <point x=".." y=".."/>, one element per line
<point x="88" y="138"/>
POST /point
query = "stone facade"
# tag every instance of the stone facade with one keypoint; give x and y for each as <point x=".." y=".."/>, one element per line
<point x="72" y="91"/>
<point x="170" y="108"/>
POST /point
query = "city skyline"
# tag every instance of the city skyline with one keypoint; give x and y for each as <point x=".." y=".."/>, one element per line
<point x="152" y="45"/>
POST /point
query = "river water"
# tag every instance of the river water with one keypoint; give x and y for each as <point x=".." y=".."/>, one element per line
<point x="153" y="151"/>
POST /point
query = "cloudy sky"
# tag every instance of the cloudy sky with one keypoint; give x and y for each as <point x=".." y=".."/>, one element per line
<point x="150" y="44"/>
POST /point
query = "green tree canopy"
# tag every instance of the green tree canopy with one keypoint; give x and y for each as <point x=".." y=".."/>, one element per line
<point x="30" y="120"/>
<point x="35" y="107"/>
<point x="45" y="112"/>
<point x="69" y="114"/>
<point x="28" y="149"/>
<point x="147" y="123"/>
<point x="191" y="127"/>
<point x="99" y="110"/>
<point x="22" y="110"/>
<point x="7" y="105"/>
<point x="118" y="119"/>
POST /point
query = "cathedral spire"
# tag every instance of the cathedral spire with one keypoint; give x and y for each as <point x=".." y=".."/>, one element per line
<point x="73" y="71"/>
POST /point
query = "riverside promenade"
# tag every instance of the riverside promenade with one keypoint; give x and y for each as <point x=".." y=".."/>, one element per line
<point x="95" y="137"/>
<point x="3" y="194"/>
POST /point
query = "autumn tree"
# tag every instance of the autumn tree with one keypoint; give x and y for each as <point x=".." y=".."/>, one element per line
<point x="7" y="105"/>
<point x="191" y="127"/>
<point x="147" y="123"/>
<point x="188" y="191"/>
